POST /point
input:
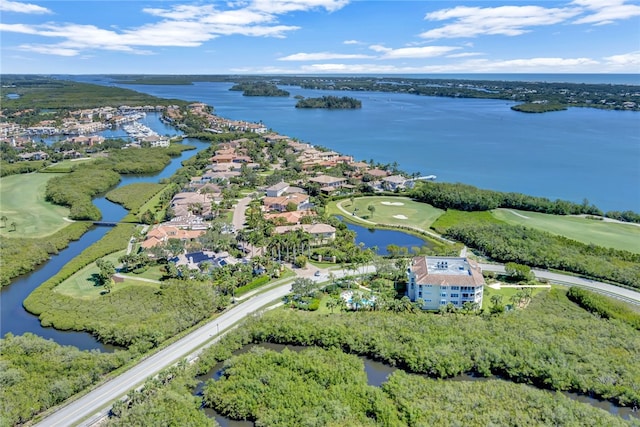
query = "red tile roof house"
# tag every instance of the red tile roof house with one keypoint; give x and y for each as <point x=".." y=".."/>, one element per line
<point x="160" y="234"/>
<point x="439" y="281"/>
<point x="290" y="217"/>
<point x="377" y="173"/>
<point x="279" y="204"/>
<point x="320" y="233"/>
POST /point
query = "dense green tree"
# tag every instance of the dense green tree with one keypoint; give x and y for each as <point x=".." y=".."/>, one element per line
<point x="37" y="374"/>
<point x="303" y="287"/>
<point x="518" y="271"/>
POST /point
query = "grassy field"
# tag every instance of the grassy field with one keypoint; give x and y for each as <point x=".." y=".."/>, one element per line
<point x="81" y="284"/>
<point x="453" y="217"/>
<point x="601" y="233"/>
<point x="22" y="202"/>
<point x="506" y="293"/>
<point x="397" y="211"/>
<point x="67" y="165"/>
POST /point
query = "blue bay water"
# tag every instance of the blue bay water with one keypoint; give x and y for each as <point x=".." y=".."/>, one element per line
<point x="574" y="154"/>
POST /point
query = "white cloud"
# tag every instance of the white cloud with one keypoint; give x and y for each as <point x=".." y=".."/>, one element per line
<point x="18" y="7"/>
<point x="50" y="50"/>
<point x="352" y="42"/>
<point x="321" y="56"/>
<point x="502" y="20"/>
<point x="384" y="53"/>
<point x="285" y="6"/>
<point x="419" y="52"/>
<point x="531" y="65"/>
<point x="412" y="52"/>
<point x="180" y="25"/>
<point x="606" y="12"/>
<point x="628" y="61"/>
<point x="464" y="54"/>
<point x="519" y="65"/>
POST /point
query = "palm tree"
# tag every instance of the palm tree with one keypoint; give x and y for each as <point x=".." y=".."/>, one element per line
<point x="4" y="220"/>
<point x="205" y="191"/>
<point x="496" y="299"/>
<point x="371" y="209"/>
<point x="13" y="226"/>
<point x="332" y="303"/>
<point x="356" y="301"/>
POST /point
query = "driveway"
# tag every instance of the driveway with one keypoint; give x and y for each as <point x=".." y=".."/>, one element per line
<point x="239" y="210"/>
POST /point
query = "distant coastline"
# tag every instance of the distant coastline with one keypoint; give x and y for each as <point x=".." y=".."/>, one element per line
<point x="493" y="136"/>
<point x="580" y="78"/>
<point x="616" y="79"/>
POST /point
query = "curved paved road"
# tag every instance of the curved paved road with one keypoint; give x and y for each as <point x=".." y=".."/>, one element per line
<point x="624" y="294"/>
<point x="95" y="405"/>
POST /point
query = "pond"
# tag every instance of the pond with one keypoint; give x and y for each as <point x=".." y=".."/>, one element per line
<point x="377" y="373"/>
<point x="380" y="238"/>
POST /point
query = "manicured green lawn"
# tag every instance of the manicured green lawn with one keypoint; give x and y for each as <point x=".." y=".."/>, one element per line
<point x="600" y="233"/>
<point x="506" y="293"/>
<point x="80" y="285"/>
<point x="67" y="165"/>
<point x="396" y="211"/>
<point x="22" y="202"/>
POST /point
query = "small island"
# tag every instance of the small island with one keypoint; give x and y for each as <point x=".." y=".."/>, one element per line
<point x="330" y="102"/>
<point x="259" y="89"/>
<point x="538" y="107"/>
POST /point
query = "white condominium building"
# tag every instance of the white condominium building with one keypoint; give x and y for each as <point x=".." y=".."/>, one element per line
<point x="442" y="280"/>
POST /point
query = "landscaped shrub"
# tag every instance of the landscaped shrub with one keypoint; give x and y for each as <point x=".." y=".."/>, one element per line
<point x="255" y="283"/>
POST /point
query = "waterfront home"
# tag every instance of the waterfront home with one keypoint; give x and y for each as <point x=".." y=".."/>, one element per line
<point x="329" y="181"/>
<point x="377" y="173"/>
<point x="298" y="147"/>
<point x="88" y="140"/>
<point x="10" y="129"/>
<point x="160" y="234"/>
<point x="394" y="182"/>
<point x="291" y="218"/>
<point x="439" y="281"/>
<point x="155" y="141"/>
<point x="273" y="138"/>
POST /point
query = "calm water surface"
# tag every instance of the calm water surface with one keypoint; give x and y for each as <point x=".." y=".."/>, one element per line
<point x="380" y="239"/>
<point x="575" y="154"/>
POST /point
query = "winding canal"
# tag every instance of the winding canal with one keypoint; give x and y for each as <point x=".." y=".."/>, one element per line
<point x="377" y="374"/>
<point x="15" y="319"/>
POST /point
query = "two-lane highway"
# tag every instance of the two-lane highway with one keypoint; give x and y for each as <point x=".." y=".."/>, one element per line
<point x="94" y="405"/>
<point x="623" y="294"/>
<point x="89" y="405"/>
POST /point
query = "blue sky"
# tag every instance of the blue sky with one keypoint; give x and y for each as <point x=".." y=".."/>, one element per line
<point x="319" y="36"/>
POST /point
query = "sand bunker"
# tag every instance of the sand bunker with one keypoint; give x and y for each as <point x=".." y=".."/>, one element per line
<point x="392" y="203"/>
<point x="400" y="217"/>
